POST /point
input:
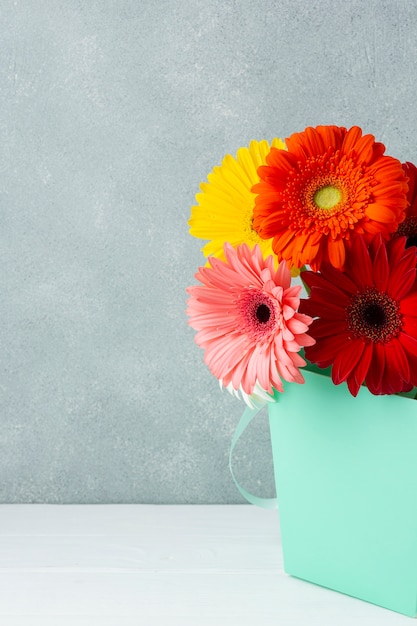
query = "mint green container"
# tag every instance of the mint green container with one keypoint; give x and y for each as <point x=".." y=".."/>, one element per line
<point x="346" y="479"/>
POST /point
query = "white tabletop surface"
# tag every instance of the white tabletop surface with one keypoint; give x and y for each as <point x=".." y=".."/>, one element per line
<point x="125" y="565"/>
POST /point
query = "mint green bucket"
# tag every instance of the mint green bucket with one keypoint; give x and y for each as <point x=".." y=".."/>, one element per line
<point x="346" y="479"/>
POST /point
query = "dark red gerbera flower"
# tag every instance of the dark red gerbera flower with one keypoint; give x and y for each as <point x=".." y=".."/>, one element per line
<point x="408" y="228"/>
<point x="366" y="317"/>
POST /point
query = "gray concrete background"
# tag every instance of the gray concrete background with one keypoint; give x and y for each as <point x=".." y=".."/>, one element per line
<point x="111" y="113"/>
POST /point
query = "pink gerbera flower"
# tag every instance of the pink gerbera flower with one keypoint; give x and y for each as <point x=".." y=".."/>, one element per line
<point x="246" y="316"/>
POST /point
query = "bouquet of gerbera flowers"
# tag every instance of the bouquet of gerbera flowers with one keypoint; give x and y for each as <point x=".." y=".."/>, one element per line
<point x="327" y="204"/>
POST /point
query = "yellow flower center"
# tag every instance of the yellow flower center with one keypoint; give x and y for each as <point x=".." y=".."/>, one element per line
<point x="247" y="222"/>
<point x="327" y="197"/>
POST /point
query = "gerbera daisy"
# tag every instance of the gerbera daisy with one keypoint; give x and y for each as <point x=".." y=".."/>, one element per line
<point x="225" y="204"/>
<point x="366" y="326"/>
<point x="246" y="316"/>
<point x="330" y="184"/>
<point x="408" y="227"/>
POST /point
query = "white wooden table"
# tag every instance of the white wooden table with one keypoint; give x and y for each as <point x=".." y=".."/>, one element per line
<point x="125" y="565"/>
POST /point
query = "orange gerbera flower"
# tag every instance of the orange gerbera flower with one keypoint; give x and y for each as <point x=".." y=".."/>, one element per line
<point x="328" y="185"/>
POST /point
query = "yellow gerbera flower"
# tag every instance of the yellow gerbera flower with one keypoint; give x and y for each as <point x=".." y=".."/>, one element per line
<point x="225" y="206"/>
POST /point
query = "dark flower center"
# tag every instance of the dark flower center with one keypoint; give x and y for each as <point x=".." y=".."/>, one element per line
<point x="259" y="314"/>
<point x="374" y="316"/>
<point x="408" y="228"/>
<point x="411" y="241"/>
<point x="263" y="313"/>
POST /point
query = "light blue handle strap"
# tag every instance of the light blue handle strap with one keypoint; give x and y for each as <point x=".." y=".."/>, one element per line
<point x="245" y="420"/>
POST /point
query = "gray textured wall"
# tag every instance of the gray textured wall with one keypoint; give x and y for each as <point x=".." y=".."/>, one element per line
<point x="111" y="113"/>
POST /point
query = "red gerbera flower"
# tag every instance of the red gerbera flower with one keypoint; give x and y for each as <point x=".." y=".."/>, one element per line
<point x="331" y="183"/>
<point x="408" y="227"/>
<point x="366" y="326"/>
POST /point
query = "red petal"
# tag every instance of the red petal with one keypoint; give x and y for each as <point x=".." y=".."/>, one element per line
<point x="376" y="369"/>
<point x="321" y="308"/>
<point x="397" y="371"/>
<point x="410" y="346"/>
<point x="381" y="267"/>
<point x="325" y="328"/>
<point x="401" y="281"/>
<point x="410" y="326"/>
<point x="408" y="305"/>
<point x="397" y="356"/>
<point x="353" y="385"/>
<point x="338" y="278"/>
<point x="410" y="171"/>
<point x="395" y="250"/>
<point x="326" y="349"/>
<point x="313" y="280"/>
<point x="346" y="361"/>
<point x="359" y="264"/>
<point x="364" y="364"/>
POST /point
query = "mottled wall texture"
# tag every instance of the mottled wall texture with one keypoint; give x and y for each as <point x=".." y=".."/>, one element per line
<point x="111" y="114"/>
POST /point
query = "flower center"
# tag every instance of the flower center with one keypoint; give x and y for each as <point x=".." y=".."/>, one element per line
<point x="374" y="316"/>
<point x="408" y="228"/>
<point x="263" y="313"/>
<point x="251" y="234"/>
<point x="327" y="197"/>
<point x="259" y="314"/>
<point x="327" y="194"/>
